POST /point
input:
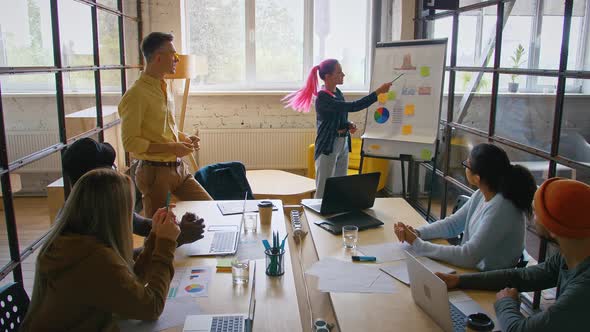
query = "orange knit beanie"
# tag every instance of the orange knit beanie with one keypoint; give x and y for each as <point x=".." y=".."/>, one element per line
<point x="562" y="206"/>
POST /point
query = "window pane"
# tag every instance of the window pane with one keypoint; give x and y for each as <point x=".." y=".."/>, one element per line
<point x="468" y="39"/>
<point x="527" y="119"/>
<point x="279" y="40"/>
<point x="517" y="31"/>
<point x="25" y="34"/>
<point x="108" y="3"/>
<point x="110" y="81"/>
<point x="575" y="128"/>
<point x="108" y="38"/>
<point x="216" y="34"/>
<point x="30" y="121"/>
<point x="443" y="28"/>
<point x="340" y="32"/>
<point x="75" y="34"/>
<point x="472" y="109"/>
<point x="132" y="53"/>
<point x="79" y="81"/>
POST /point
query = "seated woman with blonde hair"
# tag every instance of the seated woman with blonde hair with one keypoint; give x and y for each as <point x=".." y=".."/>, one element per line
<point x="85" y="274"/>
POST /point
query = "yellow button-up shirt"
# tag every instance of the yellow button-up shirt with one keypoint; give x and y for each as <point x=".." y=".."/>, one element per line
<point x="146" y="117"/>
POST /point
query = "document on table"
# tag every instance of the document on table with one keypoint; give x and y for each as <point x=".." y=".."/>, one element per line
<point x="386" y="252"/>
<point x="400" y="270"/>
<point x="347" y="277"/>
<point x="174" y="314"/>
<point x="235" y="207"/>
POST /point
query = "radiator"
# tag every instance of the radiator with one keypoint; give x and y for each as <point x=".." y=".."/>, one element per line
<point x="23" y="143"/>
<point x="257" y="148"/>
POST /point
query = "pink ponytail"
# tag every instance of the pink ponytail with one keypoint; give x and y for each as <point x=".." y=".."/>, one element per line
<point x="301" y="99"/>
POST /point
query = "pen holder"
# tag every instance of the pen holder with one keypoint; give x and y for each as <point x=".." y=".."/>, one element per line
<point x="275" y="263"/>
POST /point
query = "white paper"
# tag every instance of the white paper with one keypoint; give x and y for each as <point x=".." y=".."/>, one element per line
<point x="400" y="271"/>
<point x="346" y="277"/>
<point x="174" y="314"/>
<point x="250" y="247"/>
<point x="190" y="281"/>
<point x="386" y="252"/>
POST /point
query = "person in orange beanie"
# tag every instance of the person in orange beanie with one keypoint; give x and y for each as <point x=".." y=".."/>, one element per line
<point x="561" y="210"/>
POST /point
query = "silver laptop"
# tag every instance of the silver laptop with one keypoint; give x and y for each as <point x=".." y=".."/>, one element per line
<point x="430" y="293"/>
<point x="225" y="323"/>
<point x="219" y="240"/>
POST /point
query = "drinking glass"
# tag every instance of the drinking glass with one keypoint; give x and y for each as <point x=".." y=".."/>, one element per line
<point x="250" y="222"/>
<point x="350" y="236"/>
<point x="240" y="271"/>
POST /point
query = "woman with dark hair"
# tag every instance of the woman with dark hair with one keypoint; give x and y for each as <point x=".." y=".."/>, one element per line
<point x="332" y="142"/>
<point x="492" y="220"/>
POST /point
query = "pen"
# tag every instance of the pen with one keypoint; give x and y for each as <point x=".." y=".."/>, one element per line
<point x="364" y="258"/>
<point x="168" y="196"/>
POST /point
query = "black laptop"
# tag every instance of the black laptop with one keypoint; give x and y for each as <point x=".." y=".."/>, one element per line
<point x="346" y="196"/>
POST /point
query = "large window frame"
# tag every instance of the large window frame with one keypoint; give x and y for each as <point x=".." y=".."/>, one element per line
<point x="451" y="126"/>
<point x="251" y="84"/>
<point x="17" y="256"/>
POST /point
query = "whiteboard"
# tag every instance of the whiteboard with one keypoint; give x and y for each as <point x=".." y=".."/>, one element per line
<point x="405" y="120"/>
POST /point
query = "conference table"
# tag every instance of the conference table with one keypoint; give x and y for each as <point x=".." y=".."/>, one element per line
<point x="276" y="300"/>
<point x="372" y="312"/>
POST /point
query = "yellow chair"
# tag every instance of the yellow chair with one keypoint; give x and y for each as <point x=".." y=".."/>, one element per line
<point x="354" y="161"/>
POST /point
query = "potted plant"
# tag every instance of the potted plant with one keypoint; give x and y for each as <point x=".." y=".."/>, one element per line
<point x="517" y="61"/>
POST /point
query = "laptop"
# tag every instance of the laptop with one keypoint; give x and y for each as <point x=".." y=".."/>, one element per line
<point x="227" y="322"/>
<point x="430" y="293"/>
<point x="219" y="240"/>
<point x="346" y="193"/>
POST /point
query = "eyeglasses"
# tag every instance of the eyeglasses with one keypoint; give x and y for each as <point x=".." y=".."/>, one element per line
<point x="464" y="163"/>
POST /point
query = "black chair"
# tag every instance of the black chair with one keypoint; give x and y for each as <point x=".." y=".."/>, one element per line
<point x="14" y="302"/>
<point x="461" y="200"/>
<point x="225" y="181"/>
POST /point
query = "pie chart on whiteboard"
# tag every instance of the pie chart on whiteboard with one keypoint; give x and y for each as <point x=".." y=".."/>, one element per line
<point x="381" y="115"/>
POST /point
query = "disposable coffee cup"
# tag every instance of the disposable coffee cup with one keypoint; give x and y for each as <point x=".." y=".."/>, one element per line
<point x="479" y="322"/>
<point x="265" y="212"/>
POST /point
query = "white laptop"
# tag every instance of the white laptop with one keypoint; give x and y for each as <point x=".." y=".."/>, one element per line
<point x="430" y="293"/>
<point x="227" y="322"/>
<point x="219" y="240"/>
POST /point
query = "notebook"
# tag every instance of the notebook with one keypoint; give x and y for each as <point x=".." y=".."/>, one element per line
<point x="357" y="218"/>
<point x="346" y="193"/>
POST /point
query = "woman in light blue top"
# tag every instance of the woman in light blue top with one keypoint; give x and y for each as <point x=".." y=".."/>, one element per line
<point x="492" y="220"/>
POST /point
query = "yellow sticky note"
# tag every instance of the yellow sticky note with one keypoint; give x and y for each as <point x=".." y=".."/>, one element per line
<point x="392" y="95"/>
<point x="424" y="71"/>
<point x="406" y="129"/>
<point x="375" y="147"/>
<point x="382" y="98"/>
<point x="409" y="109"/>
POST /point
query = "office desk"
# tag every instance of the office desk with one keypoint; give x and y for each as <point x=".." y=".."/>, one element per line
<point x="276" y="299"/>
<point x="372" y="312"/>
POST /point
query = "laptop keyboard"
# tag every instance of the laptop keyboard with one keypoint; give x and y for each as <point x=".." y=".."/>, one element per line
<point x="458" y="318"/>
<point x="227" y="324"/>
<point x="223" y="242"/>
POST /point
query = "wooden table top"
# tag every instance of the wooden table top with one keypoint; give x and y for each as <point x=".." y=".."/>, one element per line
<point x="279" y="183"/>
<point x="372" y="312"/>
<point x="276" y="299"/>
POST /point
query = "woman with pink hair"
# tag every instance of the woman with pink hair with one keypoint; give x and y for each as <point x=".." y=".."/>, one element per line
<point x="332" y="143"/>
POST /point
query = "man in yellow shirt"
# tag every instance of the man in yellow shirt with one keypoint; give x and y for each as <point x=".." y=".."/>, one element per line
<point x="150" y="134"/>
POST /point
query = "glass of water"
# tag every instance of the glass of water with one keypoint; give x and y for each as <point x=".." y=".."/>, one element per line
<point x="240" y="271"/>
<point x="250" y="222"/>
<point x="350" y="236"/>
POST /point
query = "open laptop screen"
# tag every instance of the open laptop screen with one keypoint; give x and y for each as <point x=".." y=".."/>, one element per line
<point x="349" y="193"/>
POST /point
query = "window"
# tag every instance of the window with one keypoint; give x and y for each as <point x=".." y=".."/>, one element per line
<point x="536" y="25"/>
<point x="28" y="42"/>
<point x="262" y="44"/>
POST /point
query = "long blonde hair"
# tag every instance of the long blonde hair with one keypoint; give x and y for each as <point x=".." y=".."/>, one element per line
<point x="100" y="205"/>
